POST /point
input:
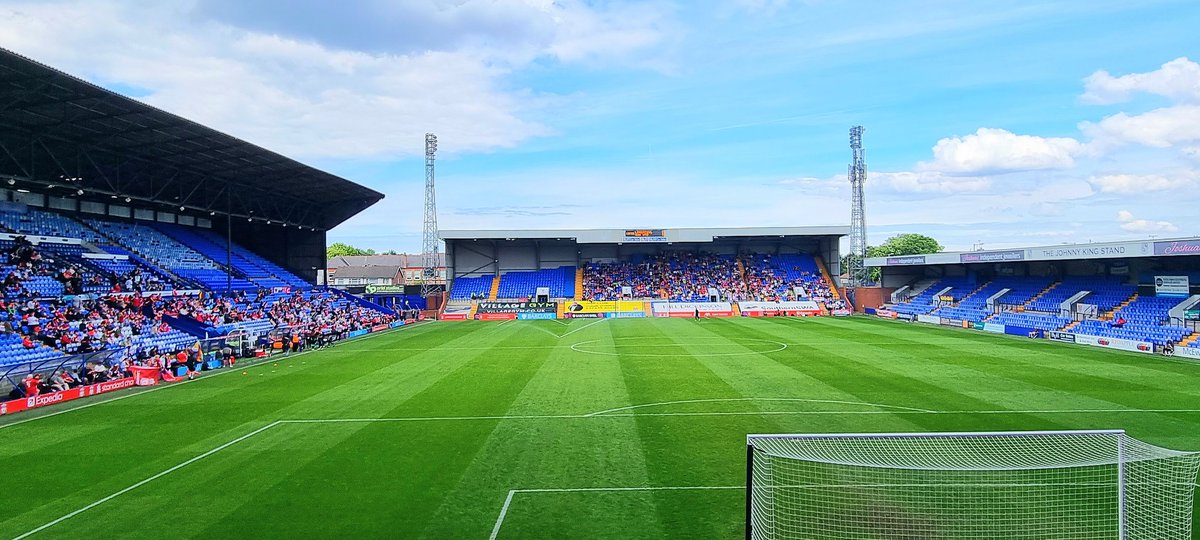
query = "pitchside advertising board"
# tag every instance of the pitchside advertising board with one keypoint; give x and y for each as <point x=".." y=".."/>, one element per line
<point x="458" y="313"/>
<point x="929" y="319"/>
<point x="51" y="398"/>
<point x="507" y="311"/>
<point x="1188" y="352"/>
<point x="1114" y="343"/>
<point x="690" y="309"/>
<point x="604" y="309"/>
<point x="769" y="309"/>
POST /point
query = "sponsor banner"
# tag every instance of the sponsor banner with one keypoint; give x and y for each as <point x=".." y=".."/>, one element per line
<point x="379" y="328"/>
<point x="356" y="333"/>
<point x="840" y="313"/>
<point x="41" y="400"/>
<point x="760" y="309"/>
<point x="384" y="289"/>
<point x="1092" y="252"/>
<point x="1188" y="352"/>
<point x="1064" y="337"/>
<point x="870" y="311"/>
<point x="1171" y="285"/>
<point x="1115" y="343"/>
<point x="396" y="324"/>
<point x="992" y="256"/>
<point x="689" y="309"/>
<point x="456" y="313"/>
<point x="610" y="306"/>
<point x="626" y="315"/>
<point x="1179" y="247"/>
<point x="495" y="316"/>
<point x="641" y="236"/>
<point x="570" y="315"/>
<point x="144" y="376"/>
<point x="902" y="261"/>
<point x="976" y="325"/>
<point x="886" y="313"/>
<point x="527" y="316"/>
<point x="517" y="307"/>
<point x="950" y="322"/>
<point x="995" y="328"/>
<point x="1192" y="315"/>
<point x="929" y="319"/>
<point x="906" y="317"/>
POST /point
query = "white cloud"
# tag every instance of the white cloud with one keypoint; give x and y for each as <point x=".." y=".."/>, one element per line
<point x="992" y="151"/>
<point x="1132" y="224"/>
<point x="311" y="100"/>
<point x="928" y="182"/>
<point x="1178" y="80"/>
<point x="1159" y="128"/>
<point x="1131" y="184"/>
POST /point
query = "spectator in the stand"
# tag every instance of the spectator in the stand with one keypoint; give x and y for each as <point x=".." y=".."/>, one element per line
<point x="69" y="378"/>
<point x="57" y="382"/>
<point x="1118" y="322"/>
<point x="97" y="373"/>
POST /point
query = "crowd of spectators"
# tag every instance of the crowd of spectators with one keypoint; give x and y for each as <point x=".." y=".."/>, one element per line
<point x="114" y="323"/>
<point x="25" y="263"/>
<point x="683" y="277"/>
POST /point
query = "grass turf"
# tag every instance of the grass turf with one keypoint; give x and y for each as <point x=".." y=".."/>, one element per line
<point x="422" y="433"/>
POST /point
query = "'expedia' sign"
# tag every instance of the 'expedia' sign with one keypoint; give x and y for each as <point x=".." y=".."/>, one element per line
<point x="517" y="307"/>
<point x="42" y="400"/>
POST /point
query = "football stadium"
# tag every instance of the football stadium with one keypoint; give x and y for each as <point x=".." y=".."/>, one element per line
<point x="176" y="363"/>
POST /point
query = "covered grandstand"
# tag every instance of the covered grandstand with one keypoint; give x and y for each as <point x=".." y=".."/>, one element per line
<point x="71" y="147"/>
<point x="627" y="272"/>
<point x="130" y="234"/>
<point x="1140" y="295"/>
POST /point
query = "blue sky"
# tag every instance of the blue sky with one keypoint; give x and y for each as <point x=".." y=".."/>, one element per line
<point x="1014" y="123"/>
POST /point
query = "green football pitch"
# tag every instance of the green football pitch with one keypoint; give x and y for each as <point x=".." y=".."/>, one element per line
<point x="619" y="428"/>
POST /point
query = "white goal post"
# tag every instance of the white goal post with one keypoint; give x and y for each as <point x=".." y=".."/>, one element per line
<point x="1063" y="485"/>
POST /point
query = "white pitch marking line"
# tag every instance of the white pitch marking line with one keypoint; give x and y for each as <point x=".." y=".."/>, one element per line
<point x="597" y="321"/>
<point x="508" y="499"/>
<point x="716" y="400"/>
<point x="503" y="512"/>
<point x="566" y="416"/>
<point x="147" y="480"/>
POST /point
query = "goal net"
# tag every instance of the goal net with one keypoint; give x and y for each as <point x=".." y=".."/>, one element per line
<point x="1044" y="485"/>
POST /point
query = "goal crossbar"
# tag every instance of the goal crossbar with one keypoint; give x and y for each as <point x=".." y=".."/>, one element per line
<point x="1031" y="484"/>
